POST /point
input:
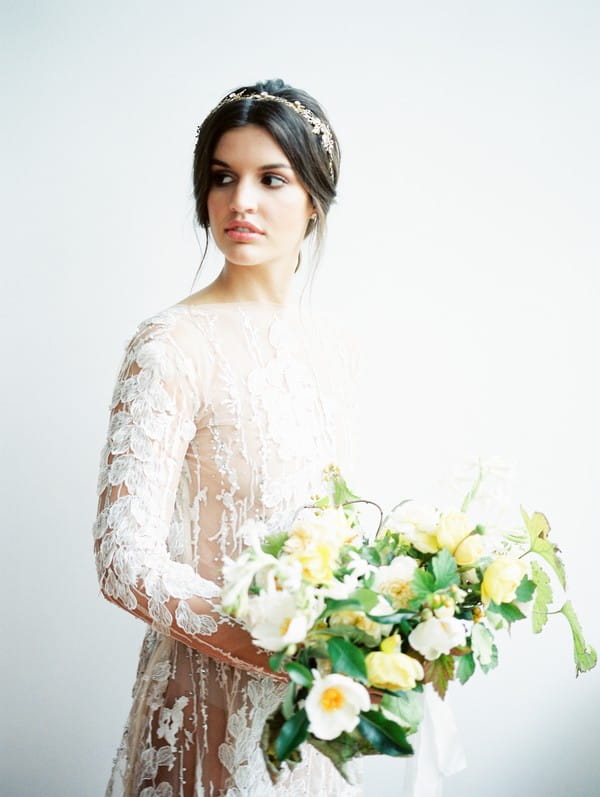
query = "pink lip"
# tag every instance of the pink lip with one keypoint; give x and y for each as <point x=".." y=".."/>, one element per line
<point x="250" y="227"/>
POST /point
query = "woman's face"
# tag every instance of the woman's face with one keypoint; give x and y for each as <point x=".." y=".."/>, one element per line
<point x="257" y="208"/>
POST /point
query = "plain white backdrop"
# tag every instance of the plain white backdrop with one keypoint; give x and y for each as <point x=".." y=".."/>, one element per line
<point x="463" y="252"/>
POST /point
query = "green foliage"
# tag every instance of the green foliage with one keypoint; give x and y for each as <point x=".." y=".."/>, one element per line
<point x="346" y="658"/>
<point x="585" y="655"/>
<point x="407" y="707"/>
<point x="543" y="597"/>
<point x="482" y="642"/>
<point x="353" y="634"/>
<point x="465" y="667"/>
<point x="341" y="492"/>
<point x="299" y="673"/>
<point x="293" y="732"/>
<point x="538" y="527"/>
<point x="439" y="672"/>
<point x="525" y="590"/>
<point x="371" y="555"/>
<point x="508" y="611"/>
<point x="343" y="749"/>
<point x="273" y="544"/>
<point x="444" y="569"/>
<point x="287" y="706"/>
<point x="362" y="600"/>
<point x="422" y="584"/>
<point x="276" y="659"/>
<point x="385" y="735"/>
<point x="389" y="619"/>
<point x="270" y="732"/>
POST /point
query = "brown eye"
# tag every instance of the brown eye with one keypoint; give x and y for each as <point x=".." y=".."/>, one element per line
<point x="221" y="178"/>
<point x="274" y="180"/>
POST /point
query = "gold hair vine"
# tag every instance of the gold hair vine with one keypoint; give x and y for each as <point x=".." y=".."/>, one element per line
<point x="318" y="127"/>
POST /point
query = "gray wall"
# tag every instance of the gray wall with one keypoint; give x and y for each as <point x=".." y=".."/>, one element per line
<point x="464" y="247"/>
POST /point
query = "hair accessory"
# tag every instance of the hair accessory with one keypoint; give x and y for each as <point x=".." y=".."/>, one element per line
<point x="319" y="128"/>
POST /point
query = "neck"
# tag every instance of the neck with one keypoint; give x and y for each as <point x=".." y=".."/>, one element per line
<point x="254" y="284"/>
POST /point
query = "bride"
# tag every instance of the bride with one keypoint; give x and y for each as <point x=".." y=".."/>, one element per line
<point x="226" y="408"/>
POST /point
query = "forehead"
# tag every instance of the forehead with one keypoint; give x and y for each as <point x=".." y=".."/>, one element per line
<point x="250" y="144"/>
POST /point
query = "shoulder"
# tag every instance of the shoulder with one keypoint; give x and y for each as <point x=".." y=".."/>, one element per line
<point x="162" y="341"/>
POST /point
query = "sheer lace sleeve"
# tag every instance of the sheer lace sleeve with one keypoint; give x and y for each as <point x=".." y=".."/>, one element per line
<point x="152" y="421"/>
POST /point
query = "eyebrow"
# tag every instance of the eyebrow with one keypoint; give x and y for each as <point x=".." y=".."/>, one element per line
<point x="217" y="162"/>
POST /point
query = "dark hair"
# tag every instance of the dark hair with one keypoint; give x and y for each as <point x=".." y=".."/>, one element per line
<point x="316" y="170"/>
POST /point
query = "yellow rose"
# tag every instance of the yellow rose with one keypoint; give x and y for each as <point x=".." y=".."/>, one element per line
<point x="358" y="620"/>
<point x="318" y="563"/>
<point x="501" y="579"/>
<point x="469" y="550"/>
<point x="452" y="529"/>
<point x="393" y="670"/>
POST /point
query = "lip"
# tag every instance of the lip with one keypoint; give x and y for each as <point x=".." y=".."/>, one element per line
<point x="246" y="224"/>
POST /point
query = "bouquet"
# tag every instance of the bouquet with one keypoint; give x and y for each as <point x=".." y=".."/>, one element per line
<point x="360" y="624"/>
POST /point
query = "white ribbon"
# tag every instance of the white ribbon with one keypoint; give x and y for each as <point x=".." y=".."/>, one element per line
<point x="438" y="752"/>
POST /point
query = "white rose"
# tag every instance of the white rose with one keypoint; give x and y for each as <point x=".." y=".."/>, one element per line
<point x="436" y="636"/>
<point x="394" y="580"/>
<point x="417" y="522"/>
<point x="275" y="622"/>
<point x="333" y="705"/>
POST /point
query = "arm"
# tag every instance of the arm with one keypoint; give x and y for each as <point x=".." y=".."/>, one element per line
<point x="154" y="404"/>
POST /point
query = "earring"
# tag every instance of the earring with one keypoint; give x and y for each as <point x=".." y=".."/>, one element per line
<point x="313" y="217"/>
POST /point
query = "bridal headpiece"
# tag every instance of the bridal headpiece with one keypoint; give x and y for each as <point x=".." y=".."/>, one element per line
<point x="318" y="127"/>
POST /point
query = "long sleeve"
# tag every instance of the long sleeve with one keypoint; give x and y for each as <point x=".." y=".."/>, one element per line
<point x="152" y="421"/>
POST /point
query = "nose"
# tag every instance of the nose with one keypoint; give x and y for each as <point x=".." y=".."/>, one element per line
<point x="243" y="197"/>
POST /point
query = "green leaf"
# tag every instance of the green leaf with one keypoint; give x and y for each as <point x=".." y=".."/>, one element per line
<point x="343" y="749"/>
<point x="287" y="706"/>
<point x="385" y="735"/>
<point x="585" y="655"/>
<point x="407" y="707"/>
<point x="341" y="491"/>
<point x="347" y="658"/>
<point x="439" y="672"/>
<point x="353" y="634"/>
<point x="362" y="600"/>
<point x="333" y="605"/>
<point x="293" y="732"/>
<point x="299" y="673"/>
<point x="538" y="527"/>
<point x="371" y="555"/>
<point x="482" y="642"/>
<point x="543" y="597"/>
<point x="465" y="668"/>
<point x="444" y="570"/>
<point x="525" y="590"/>
<point x="548" y="551"/>
<point x="367" y="598"/>
<point x="509" y="611"/>
<point x="389" y="619"/>
<point x="493" y="660"/>
<point x="276" y="659"/>
<point x="422" y="584"/>
<point x="274" y="543"/>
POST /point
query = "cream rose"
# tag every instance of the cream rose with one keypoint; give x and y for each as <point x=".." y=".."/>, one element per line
<point x="436" y="636"/>
<point x="501" y="579"/>
<point x="417" y="522"/>
<point x="394" y="580"/>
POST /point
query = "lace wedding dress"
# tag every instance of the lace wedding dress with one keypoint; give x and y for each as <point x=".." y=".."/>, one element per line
<point x="220" y="413"/>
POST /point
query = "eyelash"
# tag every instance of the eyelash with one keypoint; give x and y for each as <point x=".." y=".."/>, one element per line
<point x="217" y="178"/>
